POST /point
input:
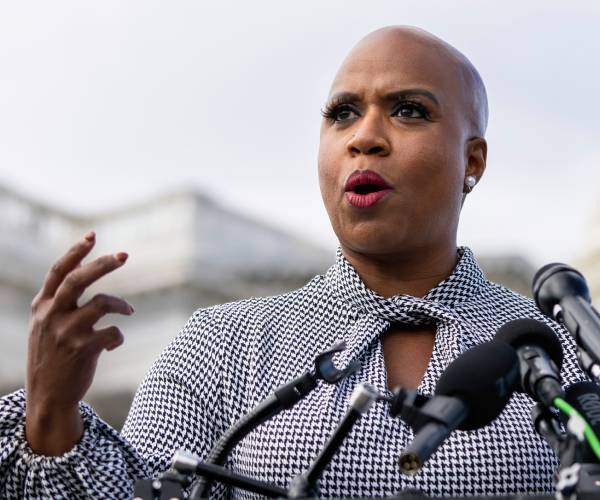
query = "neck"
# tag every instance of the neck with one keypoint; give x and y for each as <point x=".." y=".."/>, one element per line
<point x="404" y="274"/>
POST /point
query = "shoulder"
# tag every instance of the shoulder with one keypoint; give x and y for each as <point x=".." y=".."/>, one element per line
<point x="212" y="333"/>
<point x="510" y="305"/>
<point x="252" y="312"/>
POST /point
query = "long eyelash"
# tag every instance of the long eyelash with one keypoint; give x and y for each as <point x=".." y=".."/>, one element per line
<point x="332" y="108"/>
<point x="417" y="105"/>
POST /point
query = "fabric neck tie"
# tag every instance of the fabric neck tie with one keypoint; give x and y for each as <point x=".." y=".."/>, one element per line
<point x="373" y="313"/>
<point x="460" y="286"/>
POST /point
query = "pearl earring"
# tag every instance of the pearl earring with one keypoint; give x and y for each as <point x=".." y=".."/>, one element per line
<point x="470" y="182"/>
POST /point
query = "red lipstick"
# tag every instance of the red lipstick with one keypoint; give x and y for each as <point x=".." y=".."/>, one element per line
<point x="364" y="188"/>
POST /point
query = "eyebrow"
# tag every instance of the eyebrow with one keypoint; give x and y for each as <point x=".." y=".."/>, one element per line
<point x="391" y="96"/>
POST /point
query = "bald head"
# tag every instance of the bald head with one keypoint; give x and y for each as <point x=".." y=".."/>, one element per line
<point x="433" y="55"/>
<point x="413" y="110"/>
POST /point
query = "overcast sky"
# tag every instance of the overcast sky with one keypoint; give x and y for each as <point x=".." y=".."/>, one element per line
<point x="106" y="103"/>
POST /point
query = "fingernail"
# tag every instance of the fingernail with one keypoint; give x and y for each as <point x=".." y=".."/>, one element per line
<point x="90" y="235"/>
<point x="131" y="308"/>
<point x="121" y="256"/>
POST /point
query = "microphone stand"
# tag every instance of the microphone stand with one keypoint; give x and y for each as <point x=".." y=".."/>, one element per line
<point x="281" y="399"/>
<point x="185" y="465"/>
<point x="576" y="480"/>
<point x="305" y="485"/>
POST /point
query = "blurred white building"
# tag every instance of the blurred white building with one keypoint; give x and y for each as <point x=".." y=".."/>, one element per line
<point x="185" y="252"/>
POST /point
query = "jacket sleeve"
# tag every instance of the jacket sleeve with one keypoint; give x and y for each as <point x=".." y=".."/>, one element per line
<point x="177" y="406"/>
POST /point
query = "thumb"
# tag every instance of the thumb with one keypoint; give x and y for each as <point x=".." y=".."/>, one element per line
<point x="108" y="338"/>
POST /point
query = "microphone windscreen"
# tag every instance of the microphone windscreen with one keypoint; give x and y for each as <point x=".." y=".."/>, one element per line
<point x="542" y="274"/>
<point x="484" y="377"/>
<point x="545" y="301"/>
<point x="585" y="398"/>
<point x="526" y="331"/>
<point x="555" y="281"/>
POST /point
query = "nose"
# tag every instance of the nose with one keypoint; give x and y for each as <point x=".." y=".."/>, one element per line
<point x="369" y="137"/>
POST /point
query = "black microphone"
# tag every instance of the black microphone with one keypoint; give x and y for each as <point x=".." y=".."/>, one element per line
<point x="305" y="485"/>
<point x="540" y="357"/>
<point x="471" y="392"/>
<point x="562" y="293"/>
<point x="585" y="398"/>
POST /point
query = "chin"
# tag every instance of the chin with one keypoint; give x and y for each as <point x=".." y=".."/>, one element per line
<point x="366" y="239"/>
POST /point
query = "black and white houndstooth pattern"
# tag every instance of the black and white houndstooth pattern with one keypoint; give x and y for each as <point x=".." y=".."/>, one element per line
<point x="229" y="357"/>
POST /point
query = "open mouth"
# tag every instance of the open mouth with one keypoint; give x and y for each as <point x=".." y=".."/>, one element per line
<point x="367" y="188"/>
<point x="364" y="188"/>
<point x="365" y="182"/>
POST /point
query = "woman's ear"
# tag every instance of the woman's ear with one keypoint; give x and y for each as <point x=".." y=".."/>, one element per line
<point x="476" y="157"/>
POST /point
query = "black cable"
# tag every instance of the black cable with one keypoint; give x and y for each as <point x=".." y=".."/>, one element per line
<point x="332" y="446"/>
<point x="283" y="398"/>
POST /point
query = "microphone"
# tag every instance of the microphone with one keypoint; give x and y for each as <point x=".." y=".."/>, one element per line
<point x="562" y="293"/>
<point x="471" y="393"/>
<point x="540" y="357"/>
<point x="282" y="399"/>
<point x="305" y="485"/>
<point x="585" y="398"/>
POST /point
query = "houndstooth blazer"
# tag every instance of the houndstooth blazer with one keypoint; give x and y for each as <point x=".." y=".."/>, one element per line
<point x="229" y="357"/>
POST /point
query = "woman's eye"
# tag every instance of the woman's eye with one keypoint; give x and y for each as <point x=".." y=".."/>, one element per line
<point x="343" y="113"/>
<point x="339" y="113"/>
<point x="409" y="110"/>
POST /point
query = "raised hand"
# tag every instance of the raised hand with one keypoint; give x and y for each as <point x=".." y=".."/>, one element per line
<point x="64" y="346"/>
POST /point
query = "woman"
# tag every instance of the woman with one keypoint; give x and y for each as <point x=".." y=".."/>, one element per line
<point x="402" y="143"/>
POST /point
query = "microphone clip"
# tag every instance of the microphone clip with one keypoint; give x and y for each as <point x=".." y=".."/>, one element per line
<point x="326" y="370"/>
<point x="417" y="410"/>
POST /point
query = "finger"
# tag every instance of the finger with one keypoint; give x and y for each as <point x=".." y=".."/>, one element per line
<point x="107" y="338"/>
<point x="66" y="264"/>
<point x="78" y="280"/>
<point x="101" y="305"/>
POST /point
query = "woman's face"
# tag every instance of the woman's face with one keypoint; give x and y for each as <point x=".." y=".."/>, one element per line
<point x="396" y="107"/>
